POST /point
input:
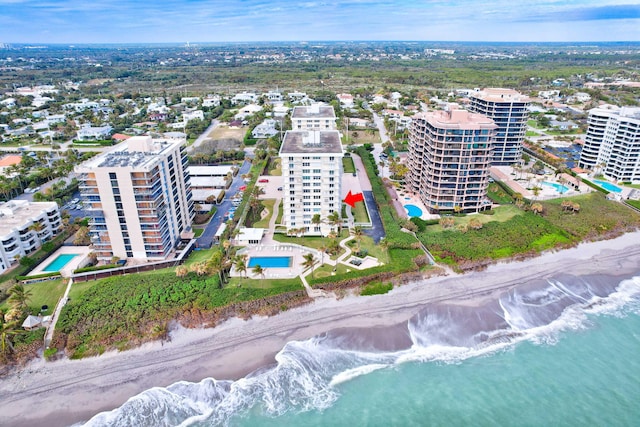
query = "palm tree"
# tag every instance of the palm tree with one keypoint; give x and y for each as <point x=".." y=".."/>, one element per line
<point x="258" y="271"/>
<point x="536" y="208"/>
<point x="215" y="264"/>
<point x="7" y="329"/>
<point x="309" y="262"/>
<point x="241" y="264"/>
<point x="323" y="248"/>
<point x="19" y="297"/>
<point x="181" y="271"/>
<point x="335" y="220"/>
<point x="315" y="220"/>
<point x="358" y="233"/>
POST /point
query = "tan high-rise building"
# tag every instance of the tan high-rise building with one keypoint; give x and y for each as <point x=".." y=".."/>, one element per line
<point x="311" y="178"/>
<point x="509" y="110"/>
<point x="139" y="198"/>
<point x="449" y="159"/>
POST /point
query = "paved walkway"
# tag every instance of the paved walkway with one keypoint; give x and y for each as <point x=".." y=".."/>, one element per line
<point x="56" y="314"/>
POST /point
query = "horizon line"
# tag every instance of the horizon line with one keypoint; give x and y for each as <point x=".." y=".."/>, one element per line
<point x="318" y="41"/>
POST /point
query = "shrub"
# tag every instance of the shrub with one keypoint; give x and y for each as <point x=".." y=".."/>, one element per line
<point x="376" y="289"/>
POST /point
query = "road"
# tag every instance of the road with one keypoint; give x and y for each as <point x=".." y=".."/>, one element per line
<point x="206" y="239"/>
<point x="204" y="136"/>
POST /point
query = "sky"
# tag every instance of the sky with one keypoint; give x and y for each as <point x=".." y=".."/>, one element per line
<point x="181" y="21"/>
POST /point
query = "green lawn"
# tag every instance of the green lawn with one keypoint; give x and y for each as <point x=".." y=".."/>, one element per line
<point x="264" y="222"/>
<point x="280" y="213"/>
<point x="43" y="293"/>
<point x="276" y="170"/>
<point x="197" y="232"/>
<point x="199" y="256"/>
<point x="242" y="282"/>
<point x="498" y="195"/>
<point x="326" y="270"/>
<point x="360" y="212"/>
<point x="347" y="165"/>
<point x="363" y="137"/>
<point x="531" y="133"/>
<point x="534" y="124"/>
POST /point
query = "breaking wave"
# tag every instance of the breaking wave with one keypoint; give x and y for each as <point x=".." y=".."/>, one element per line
<point x="307" y="373"/>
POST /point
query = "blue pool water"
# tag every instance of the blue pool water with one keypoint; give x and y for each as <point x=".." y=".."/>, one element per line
<point x="608" y="186"/>
<point x="558" y="187"/>
<point x="413" y="210"/>
<point x="270" y="261"/>
<point x="59" y="263"/>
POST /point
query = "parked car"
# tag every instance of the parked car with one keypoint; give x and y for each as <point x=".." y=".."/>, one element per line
<point x="279" y="188"/>
<point x="263" y="180"/>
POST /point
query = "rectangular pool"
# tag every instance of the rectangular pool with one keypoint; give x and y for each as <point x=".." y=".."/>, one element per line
<point x="59" y="263"/>
<point x="270" y="261"/>
<point x="608" y="186"/>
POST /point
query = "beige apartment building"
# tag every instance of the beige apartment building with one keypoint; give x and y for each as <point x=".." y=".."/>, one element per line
<point x="449" y="159"/>
<point x="312" y="178"/>
<point x="316" y="117"/>
<point x="509" y="110"/>
<point x="139" y="198"/>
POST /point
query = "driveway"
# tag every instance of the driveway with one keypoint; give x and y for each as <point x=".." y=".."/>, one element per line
<point x="206" y="239"/>
<point x="376" y="232"/>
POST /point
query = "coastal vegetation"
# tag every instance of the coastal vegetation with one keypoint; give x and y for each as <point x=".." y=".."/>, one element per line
<point x="515" y="232"/>
<point x="125" y="311"/>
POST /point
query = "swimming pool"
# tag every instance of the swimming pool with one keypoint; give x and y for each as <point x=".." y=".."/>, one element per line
<point x="59" y="263"/>
<point x="270" y="261"/>
<point x="558" y="187"/>
<point x="413" y="210"/>
<point x="407" y="198"/>
<point x="608" y="186"/>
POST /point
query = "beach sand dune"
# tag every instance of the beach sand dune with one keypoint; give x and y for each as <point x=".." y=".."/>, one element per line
<point x="69" y="391"/>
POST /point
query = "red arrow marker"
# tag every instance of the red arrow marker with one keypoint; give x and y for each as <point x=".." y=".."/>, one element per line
<point x="352" y="199"/>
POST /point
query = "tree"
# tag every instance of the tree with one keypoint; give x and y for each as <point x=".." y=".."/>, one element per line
<point x="215" y="264"/>
<point x="323" y="248"/>
<point x="315" y="220"/>
<point x="7" y="330"/>
<point x="241" y="264"/>
<point x="258" y="271"/>
<point x="358" y="232"/>
<point x="309" y="262"/>
<point x="82" y="237"/>
<point x="519" y="199"/>
<point x="181" y="271"/>
<point x="200" y="268"/>
<point x="19" y="297"/>
<point x="475" y="223"/>
<point x="537" y="208"/>
<point x="335" y="220"/>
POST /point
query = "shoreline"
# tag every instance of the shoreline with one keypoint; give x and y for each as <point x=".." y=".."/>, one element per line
<point x="70" y="391"/>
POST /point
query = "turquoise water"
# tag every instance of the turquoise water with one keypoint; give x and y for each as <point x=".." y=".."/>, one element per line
<point x="59" y="263"/>
<point x="587" y="378"/>
<point x="608" y="186"/>
<point x="413" y="210"/>
<point x="561" y="351"/>
<point x="558" y="187"/>
<point x="270" y="261"/>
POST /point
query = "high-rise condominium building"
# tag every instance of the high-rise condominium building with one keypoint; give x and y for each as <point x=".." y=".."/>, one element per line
<point x="510" y="112"/>
<point x="24" y="227"/>
<point x="612" y="143"/>
<point x="312" y="175"/>
<point x="139" y="198"/>
<point x="315" y="117"/>
<point x="449" y="159"/>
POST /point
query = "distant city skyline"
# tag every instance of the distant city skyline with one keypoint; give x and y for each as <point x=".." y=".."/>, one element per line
<point x="128" y="21"/>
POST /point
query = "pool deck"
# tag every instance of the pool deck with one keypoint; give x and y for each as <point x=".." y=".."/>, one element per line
<point x="67" y="270"/>
<point x="506" y="175"/>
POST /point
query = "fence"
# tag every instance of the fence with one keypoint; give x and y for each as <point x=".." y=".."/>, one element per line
<point x="101" y="274"/>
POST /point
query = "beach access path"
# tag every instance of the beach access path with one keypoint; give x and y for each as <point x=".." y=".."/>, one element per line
<point x="68" y="391"/>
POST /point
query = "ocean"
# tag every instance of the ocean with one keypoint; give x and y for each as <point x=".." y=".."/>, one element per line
<point x="561" y="352"/>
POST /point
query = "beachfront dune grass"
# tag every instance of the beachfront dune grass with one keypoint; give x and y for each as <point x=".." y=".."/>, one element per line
<point x="512" y="233"/>
<point x="124" y="311"/>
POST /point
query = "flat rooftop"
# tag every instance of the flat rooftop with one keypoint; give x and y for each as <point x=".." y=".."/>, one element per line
<point x="16" y="213"/>
<point x="500" y="94"/>
<point x="136" y="152"/>
<point x="456" y="119"/>
<point x="222" y="170"/>
<point x="304" y="141"/>
<point x="313" y="111"/>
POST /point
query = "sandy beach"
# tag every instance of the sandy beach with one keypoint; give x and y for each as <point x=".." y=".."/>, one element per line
<point x="66" y="392"/>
